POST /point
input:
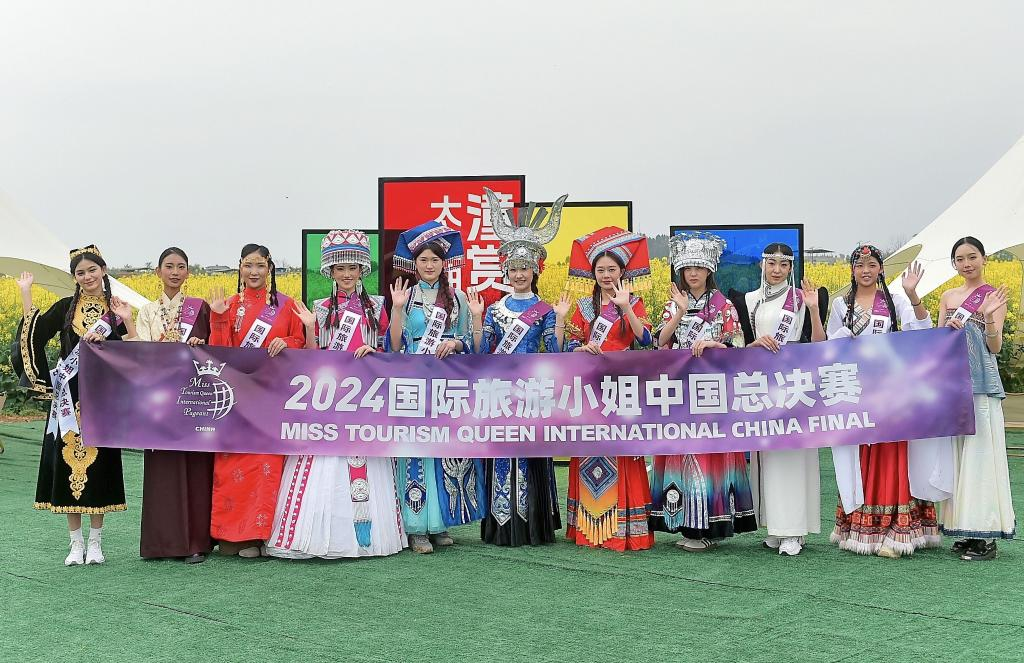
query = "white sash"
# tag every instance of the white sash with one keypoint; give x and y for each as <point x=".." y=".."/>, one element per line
<point x="971" y="305"/>
<point x="62" y="417"/>
<point x="700" y="328"/>
<point x="521" y="325"/>
<point x="435" y="330"/>
<point x="603" y="324"/>
<point x="787" y="317"/>
<point x="346" y="330"/>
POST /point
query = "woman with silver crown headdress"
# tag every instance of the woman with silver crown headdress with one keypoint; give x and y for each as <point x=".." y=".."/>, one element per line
<point x="785" y="483"/>
<point x="74" y="478"/>
<point x="705" y="497"/>
<point x="887" y="490"/>
<point x="340" y="506"/>
<point x="431" y="317"/>
<point x="521" y="497"/>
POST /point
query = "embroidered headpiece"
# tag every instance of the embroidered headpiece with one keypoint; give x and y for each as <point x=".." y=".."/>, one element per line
<point x="695" y="249"/>
<point x="629" y="247"/>
<point x="523" y="240"/>
<point x="864" y="251"/>
<point x="426" y="233"/>
<point x="91" y="249"/>
<point x="345" y="247"/>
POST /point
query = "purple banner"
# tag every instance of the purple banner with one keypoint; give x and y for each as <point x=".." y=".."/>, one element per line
<point x="908" y="385"/>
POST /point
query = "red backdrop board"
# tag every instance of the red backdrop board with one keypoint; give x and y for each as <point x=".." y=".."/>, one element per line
<point x="460" y="204"/>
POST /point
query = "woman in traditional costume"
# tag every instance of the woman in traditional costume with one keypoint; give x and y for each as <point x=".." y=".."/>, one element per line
<point x="177" y="486"/>
<point x="245" y="485"/>
<point x="522" y="500"/>
<point x="609" y="498"/>
<point x="430" y="317"/>
<point x="886" y="490"/>
<point x="340" y="506"/>
<point x="785" y="483"/>
<point x="705" y="497"/>
<point x="980" y="510"/>
<point x="74" y="479"/>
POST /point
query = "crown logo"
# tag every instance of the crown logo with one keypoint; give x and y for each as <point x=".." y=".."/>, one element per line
<point x="208" y="368"/>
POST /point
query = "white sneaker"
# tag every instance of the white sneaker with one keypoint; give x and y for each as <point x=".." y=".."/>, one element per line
<point x="772" y="542"/>
<point x="790" y="546"/>
<point x="95" y="554"/>
<point x="77" y="554"/>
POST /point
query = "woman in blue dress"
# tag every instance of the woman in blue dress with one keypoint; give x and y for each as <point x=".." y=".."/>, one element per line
<point x="521" y="498"/>
<point x="431" y="317"/>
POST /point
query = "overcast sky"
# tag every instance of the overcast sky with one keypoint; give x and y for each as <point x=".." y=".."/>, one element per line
<point x="137" y="125"/>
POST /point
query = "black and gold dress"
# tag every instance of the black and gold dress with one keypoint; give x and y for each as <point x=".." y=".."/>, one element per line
<point x="73" y="477"/>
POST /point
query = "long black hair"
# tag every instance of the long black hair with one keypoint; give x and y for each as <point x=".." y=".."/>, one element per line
<point x="77" y="260"/>
<point x="595" y="297"/>
<point x="445" y="298"/>
<point x="264" y="252"/>
<point x="333" y="317"/>
<point x="868" y="250"/>
<point x="970" y="241"/>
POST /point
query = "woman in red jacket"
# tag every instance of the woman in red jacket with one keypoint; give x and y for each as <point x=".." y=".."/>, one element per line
<point x="245" y="485"/>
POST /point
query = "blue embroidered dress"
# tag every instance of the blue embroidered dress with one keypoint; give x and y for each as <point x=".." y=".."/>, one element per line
<point x="437" y="493"/>
<point x="521" y="497"/>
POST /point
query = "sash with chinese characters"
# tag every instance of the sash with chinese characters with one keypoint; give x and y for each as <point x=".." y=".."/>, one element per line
<point x="603" y="323"/>
<point x="972" y="303"/>
<point x="787" y="317"/>
<point x="190" y="308"/>
<point x="700" y="326"/>
<point x="880" y="320"/>
<point x="435" y="330"/>
<point x="348" y="335"/>
<point x="261" y="326"/>
<point x="514" y="336"/>
<point x="62" y="409"/>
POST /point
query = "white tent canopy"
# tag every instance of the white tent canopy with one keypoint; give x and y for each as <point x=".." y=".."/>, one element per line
<point x="992" y="210"/>
<point x="29" y="246"/>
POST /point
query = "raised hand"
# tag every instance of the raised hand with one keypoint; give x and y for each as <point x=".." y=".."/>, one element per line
<point x="308" y="317"/>
<point x="563" y="305"/>
<point x="218" y="300"/>
<point x="911" y="278"/>
<point x="121" y="308"/>
<point x="809" y="289"/>
<point x="25" y="281"/>
<point x="400" y="294"/>
<point x="621" y="296"/>
<point x="994" y="301"/>
<point x="679" y="298"/>
<point x="476" y="303"/>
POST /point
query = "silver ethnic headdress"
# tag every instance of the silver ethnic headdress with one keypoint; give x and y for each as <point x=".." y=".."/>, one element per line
<point x="522" y="241"/>
<point x="695" y="249"/>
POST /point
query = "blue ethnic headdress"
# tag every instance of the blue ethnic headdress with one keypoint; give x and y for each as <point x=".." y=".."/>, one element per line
<point x="426" y="233"/>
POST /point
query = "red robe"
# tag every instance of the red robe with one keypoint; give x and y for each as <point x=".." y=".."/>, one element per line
<point x="613" y="517"/>
<point x="245" y="485"/>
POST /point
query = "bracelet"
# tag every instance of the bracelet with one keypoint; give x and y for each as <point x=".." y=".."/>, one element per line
<point x="917" y="304"/>
<point x="992" y="335"/>
<point x="990" y="322"/>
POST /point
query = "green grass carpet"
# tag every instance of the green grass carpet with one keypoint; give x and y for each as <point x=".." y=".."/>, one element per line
<point x="477" y="602"/>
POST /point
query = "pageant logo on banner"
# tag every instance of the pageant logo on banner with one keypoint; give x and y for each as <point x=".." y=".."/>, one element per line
<point x="206" y="396"/>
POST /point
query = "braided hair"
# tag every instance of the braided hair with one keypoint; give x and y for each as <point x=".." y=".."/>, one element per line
<point x="70" y="315"/>
<point x="445" y="299"/>
<point x="334" y="316"/>
<point x="264" y="252"/>
<point x="869" y="250"/>
<point x="595" y="297"/>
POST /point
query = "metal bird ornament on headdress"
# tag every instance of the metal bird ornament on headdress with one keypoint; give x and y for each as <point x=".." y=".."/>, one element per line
<point x="523" y="240"/>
